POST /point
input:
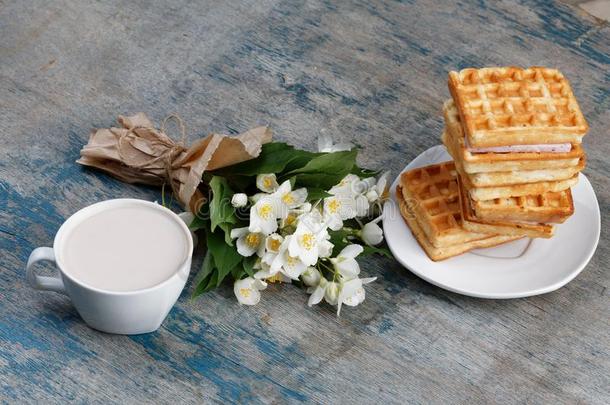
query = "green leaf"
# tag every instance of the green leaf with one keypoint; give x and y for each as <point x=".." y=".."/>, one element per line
<point x="202" y="279"/>
<point x="364" y="173"/>
<point x="273" y="158"/>
<point x="225" y="256"/>
<point x="314" y="193"/>
<point x="322" y="181"/>
<point x="237" y="272"/>
<point x="339" y="239"/>
<point x="241" y="184"/>
<point x="200" y="288"/>
<point x="382" y="250"/>
<point x="342" y="162"/>
<point x="300" y="159"/>
<point x="325" y="170"/>
<point x="248" y="265"/>
<point x="210" y="276"/>
<point x="207" y="266"/>
<point x="199" y="223"/>
<point x="213" y="282"/>
<point x="226" y="228"/>
<point x="221" y="210"/>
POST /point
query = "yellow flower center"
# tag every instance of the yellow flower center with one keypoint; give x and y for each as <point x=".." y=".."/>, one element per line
<point x="277" y="278"/>
<point x="288" y="198"/>
<point x="253" y="239"/>
<point x="274" y="245"/>
<point x="290" y="219"/>
<point x="267" y="182"/>
<point x="245" y="292"/>
<point x="334" y="205"/>
<point x="290" y="261"/>
<point x="264" y="211"/>
<point x="307" y="240"/>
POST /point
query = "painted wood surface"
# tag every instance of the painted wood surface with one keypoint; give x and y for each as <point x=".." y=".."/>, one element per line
<point x="369" y="72"/>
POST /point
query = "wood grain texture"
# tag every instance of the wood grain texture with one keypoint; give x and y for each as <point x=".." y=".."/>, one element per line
<point x="369" y="72"/>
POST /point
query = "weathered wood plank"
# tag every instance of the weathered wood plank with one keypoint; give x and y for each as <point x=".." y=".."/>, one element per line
<point x="369" y="72"/>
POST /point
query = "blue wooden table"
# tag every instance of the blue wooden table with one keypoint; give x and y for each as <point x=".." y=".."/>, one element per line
<point x="370" y="72"/>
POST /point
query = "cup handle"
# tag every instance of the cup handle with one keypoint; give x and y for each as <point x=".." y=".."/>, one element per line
<point x="43" y="282"/>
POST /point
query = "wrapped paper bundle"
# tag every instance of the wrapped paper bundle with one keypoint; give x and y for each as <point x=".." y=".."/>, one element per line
<point x="137" y="152"/>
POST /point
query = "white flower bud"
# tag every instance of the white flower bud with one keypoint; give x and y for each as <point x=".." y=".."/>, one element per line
<point x="311" y="277"/>
<point x="239" y="200"/>
<point x="331" y="295"/>
<point x="372" y="195"/>
<point x="372" y="234"/>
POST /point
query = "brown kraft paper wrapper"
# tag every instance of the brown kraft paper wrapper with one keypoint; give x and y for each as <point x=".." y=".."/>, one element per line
<point x="139" y="153"/>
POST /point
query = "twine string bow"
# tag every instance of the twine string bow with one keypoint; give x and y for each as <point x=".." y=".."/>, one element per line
<point x="167" y="157"/>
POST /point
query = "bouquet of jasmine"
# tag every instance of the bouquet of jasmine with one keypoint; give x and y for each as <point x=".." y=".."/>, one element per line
<point x="291" y="215"/>
<point x="269" y="212"/>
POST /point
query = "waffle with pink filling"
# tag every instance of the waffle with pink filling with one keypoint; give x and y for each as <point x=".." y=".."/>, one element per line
<point x="502" y="162"/>
<point x="508" y="178"/>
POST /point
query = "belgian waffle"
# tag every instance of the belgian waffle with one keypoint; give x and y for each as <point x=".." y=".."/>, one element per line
<point x="545" y="207"/>
<point x="431" y="193"/>
<point x="520" y="190"/>
<point x="500" y="162"/>
<point x="517" y="176"/>
<point x="472" y="223"/>
<point x="513" y="190"/>
<point x="441" y="253"/>
<point x="514" y="106"/>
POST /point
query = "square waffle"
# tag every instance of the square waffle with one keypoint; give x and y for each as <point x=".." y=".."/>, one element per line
<point x="431" y="193"/>
<point x="513" y="190"/>
<point x="441" y="253"/>
<point x="500" y="162"/>
<point x="505" y="106"/>
<point x="546" y="207"/>
<point x="472" y="223"/>
<point x="519" y="190"/>
<point x="506" y="178"/>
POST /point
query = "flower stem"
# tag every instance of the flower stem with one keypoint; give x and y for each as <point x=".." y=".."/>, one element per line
<point x="351" y="231"/>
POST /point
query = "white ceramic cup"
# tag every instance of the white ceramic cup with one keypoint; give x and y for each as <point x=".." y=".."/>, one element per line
<point x="125" y="312"/>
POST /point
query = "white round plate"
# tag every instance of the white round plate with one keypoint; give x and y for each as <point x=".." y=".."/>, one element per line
<point x="521" y="268"/>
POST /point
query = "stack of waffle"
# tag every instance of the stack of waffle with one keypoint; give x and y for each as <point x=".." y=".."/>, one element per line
<point x="515" y="137"/>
